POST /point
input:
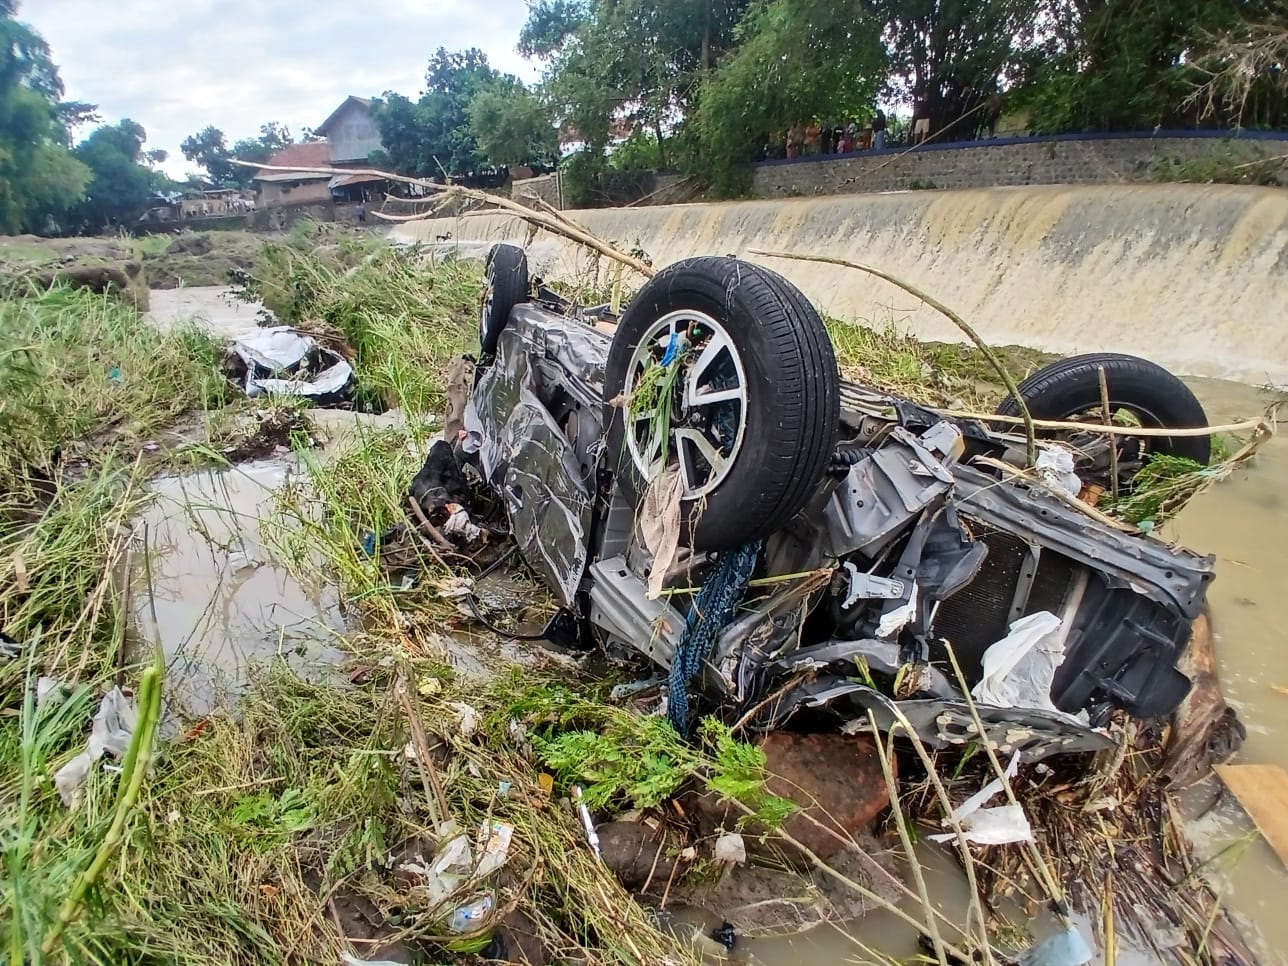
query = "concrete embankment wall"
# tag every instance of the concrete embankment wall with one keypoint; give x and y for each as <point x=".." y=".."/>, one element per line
<point x="1194" y="277"/>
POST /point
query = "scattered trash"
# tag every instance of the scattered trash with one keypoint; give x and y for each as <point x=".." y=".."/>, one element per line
<point x="1066" y="948"/>
<point x="622" y="691"/>
<point x="725" y="935"/>
<point x="469" y="718"/>
<point x="659" y="523"/>
<point x="1001" y="825"/>
<point x="587" y="822"/>
<point x="279" y="361"/>
<point x="1055" y="467"/>
<point x="494" y="846"/>
<point x="46" y="687"/>
<point x="472" y="915"/>
<point x="458" y="524"/>
<point x="1018" y="669"/>
<point x="731" y="848"/>
<point x="10" y="649"/>
<point x="546" y="784"/>
<point x="113" y="728"/>
<point x="348" y="959"/>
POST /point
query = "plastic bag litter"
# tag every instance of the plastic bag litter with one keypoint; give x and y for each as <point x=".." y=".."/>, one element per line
<point x="1067" y="948"/>
<point x="493" y="845"/>
<point x="1019" y="668"/>
<point x="1001" y="825"/>
<point x="659" y="524"/>
<point x="1054" y="467"/>
<point x="731" y="848"/>
<point x="266" y="360"/>
<point x="112" y="731"/>
<point x="459" y="524"/>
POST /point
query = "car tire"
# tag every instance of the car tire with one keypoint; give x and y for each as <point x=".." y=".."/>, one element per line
<point x="505" y="286"/>
<point x="1158" y="398"/>
<point x="766" y="337"/>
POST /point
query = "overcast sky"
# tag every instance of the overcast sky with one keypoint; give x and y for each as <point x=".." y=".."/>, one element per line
<point x="177" y="65"/>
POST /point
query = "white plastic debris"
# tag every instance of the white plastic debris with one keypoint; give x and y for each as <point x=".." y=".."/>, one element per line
<point x="493" y="845"/>
<point x="1067" y="948"/>
<point x="1054" y="467"/>
<point x="731" y="848"/>
<point x="47" y="687"/>
<point x="468" y="716"/>
<point x="459" y="524"/>
<point x="1019" y="668"/>
<point x="472" y="915"/>
<point x="899" y="618"/>
<point x="348" y="959"/>
<point x="113" y="728"/>
<point x="1001" y="825"/>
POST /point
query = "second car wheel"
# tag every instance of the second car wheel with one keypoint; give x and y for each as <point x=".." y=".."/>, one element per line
<point x="505" y="286"/>
<point x="1140" y="392"/>
<point x="723" y="370"/>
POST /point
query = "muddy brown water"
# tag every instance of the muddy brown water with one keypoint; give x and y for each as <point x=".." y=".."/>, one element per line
<point x="219" y="604"/>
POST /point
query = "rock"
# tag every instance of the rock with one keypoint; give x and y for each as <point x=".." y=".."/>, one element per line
<point x="643" y="858"/>
<point x="835" y="779"/>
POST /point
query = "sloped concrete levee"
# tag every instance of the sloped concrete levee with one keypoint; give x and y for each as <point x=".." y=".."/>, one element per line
<point x="1192" y="276"/>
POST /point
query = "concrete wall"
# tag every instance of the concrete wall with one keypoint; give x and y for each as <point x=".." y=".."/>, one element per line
<point x="1011" y="161"/>
<point x="544" y="187"/>
<point x="353" y="135"/>
<point x="1195" y="277"/>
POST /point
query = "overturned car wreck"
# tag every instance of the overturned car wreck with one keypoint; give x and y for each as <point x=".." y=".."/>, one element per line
<point x="696" y="484"/>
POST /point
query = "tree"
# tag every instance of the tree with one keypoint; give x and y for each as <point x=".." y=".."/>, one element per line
<point x="511" y="125"/>
<point x="635" y="62"/>
<point x="122" y="185"/>
<point x="38" y="176"/>
<point x="1125" y="65"/>
<point x="797" y="59"/>
<point x="940" y="49"/>
<point x="433" y="135"/>
<point x="209" y="149"/>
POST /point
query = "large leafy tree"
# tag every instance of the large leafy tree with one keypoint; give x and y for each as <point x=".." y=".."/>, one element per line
<point x="433" y="136"/>
<point x="511" y="125"/>
<point x="209" y="148"/>
<point x="940" y="50"/>
<point x="1127" y="64"/>
<point x="632" y="63"/>
<point x="797" y="59"/>
<point x="122" y="183"/>
<point x="39" y="178"/>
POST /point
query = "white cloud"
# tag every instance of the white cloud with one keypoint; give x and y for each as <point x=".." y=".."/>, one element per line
<point x="175" y="66"/>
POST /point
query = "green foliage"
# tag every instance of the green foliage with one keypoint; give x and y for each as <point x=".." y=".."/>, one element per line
<point x="39" y="179"/>
<point x="434" y="137"/>
<point x="121" y="184"/>
<point x="1162" y="487"/>
<point x="582" y="182"/>
<point x="1222" y="166"/>
<point x="1121" y="65"/>
<point x="511" y="125"/>
<point x="640" y="761"/>
<point x="209" y="149"/>
<point x="798" y="59"/>
<point x="640" y="152"/>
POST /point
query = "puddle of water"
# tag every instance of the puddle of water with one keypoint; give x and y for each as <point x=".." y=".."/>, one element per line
<point x="212" y="307"/>
<point x="219" y="603"/>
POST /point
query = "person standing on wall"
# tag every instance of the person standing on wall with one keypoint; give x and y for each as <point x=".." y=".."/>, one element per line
<point x="879" y="130"/>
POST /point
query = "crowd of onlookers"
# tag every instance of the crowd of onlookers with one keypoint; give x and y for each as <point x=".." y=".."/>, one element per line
<point x="975" y="115"/>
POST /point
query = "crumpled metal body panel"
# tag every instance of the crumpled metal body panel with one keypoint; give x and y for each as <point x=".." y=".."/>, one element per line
<point x="527" y="451"/>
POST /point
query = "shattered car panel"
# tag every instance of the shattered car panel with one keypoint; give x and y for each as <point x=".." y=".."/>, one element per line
<point x="925" y="551"/>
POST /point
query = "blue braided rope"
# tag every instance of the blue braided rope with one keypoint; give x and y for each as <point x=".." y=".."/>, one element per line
<point x="712" y="610"/>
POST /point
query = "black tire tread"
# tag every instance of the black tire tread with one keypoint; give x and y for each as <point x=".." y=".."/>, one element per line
<point x="1072" y="384"/>
<point x="507" y="273"/>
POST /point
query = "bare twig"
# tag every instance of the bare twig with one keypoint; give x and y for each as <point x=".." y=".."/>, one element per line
<point x="944" y="310"/>
<point x="1263" y="424"/>
<point x="1108" y="418"/>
